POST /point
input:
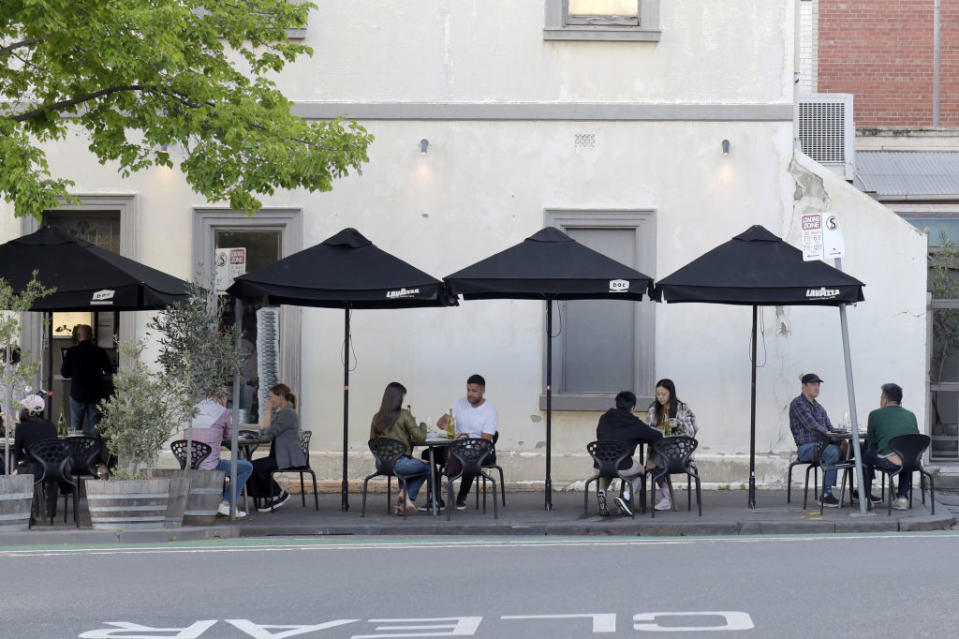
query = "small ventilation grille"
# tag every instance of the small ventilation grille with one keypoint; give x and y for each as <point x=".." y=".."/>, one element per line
<point x="584" y="140"/>
<point x="821" y="130"/>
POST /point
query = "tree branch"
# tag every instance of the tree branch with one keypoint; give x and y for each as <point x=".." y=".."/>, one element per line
<point x="18" y="45"/>
<point x="65" y="104"/>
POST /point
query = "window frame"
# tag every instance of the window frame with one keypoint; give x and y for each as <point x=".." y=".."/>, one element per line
<point x="643" y="224"/>
<point x="560" y="26"/>
<point x="289" y="222"/>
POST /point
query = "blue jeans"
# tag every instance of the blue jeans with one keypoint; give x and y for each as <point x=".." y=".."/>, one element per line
<point x="79" y="410"/>
<point x="243" y="471"/>
<point x="415" y="470"/>
<point x="830" y="455"/>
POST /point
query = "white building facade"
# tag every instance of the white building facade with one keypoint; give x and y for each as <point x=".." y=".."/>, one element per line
<point x="613" y="132"/>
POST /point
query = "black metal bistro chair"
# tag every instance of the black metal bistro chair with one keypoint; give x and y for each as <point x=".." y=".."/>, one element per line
<point x="910" y="449"/>
<point x="53" y="458"/>
<point x="198" y="452"/>
<point x="470" y="451"/>
<point x="84" y="452"/>
<point x="386" y="452"/>
<point x="305" y="468"/>
<point x="490" y="462"/>
<point x="674" y="455"/>
<point x="811" y="465"/>
<point x="607" y="455"/>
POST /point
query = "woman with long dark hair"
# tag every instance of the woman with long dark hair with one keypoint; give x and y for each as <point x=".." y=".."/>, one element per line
<point x="280" y="422"/>
<point x="394" y="422"/>
<point x="682" y="421"/>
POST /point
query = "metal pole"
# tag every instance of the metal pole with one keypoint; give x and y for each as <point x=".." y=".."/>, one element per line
<point x="345" y="497"/>
<point x="48" y="318"/>
<point x="549" y="402"/>
<point x="752" y="420"/>
<point x="852" y="402"/>
<point x="234" y="443"/>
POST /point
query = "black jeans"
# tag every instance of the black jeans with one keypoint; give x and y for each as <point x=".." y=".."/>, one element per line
<point x="871" y="460"/>
<point x="260" y="484"/>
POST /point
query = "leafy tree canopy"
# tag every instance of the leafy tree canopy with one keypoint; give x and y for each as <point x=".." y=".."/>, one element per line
<point x="139" y="75"/>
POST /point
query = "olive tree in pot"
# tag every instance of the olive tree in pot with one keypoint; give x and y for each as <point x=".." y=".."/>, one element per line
<point x="16" y="372"/>
<point x="135" y="422"/>
<point x="198" y="357"/>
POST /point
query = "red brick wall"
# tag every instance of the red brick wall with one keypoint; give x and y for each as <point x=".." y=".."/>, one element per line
<point x="882" y="52"/>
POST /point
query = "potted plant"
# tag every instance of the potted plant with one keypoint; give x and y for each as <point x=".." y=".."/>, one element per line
<point x="135" y="422"/>
<point x="16" y="491"/>
<point x="198" y="357"/>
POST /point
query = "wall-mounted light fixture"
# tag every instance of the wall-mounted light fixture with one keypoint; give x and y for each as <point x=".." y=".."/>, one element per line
<point x="725" y="147"/>
<point x="424" y="146"/>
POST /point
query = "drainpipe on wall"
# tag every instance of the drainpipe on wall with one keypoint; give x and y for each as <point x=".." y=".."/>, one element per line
<point x="797" y="145"/>
<point x="936" y="24"/>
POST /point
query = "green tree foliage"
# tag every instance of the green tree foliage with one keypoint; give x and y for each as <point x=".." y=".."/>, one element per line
<point x="138" y="75"/>
<point x="140" y="415"/>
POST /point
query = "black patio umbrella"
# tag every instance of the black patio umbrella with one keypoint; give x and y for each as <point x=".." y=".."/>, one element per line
<point x="549" y="265"/>
<point x="757" y="268"/>
<point x="345" y="271"/>
<point x="86" y="277"/>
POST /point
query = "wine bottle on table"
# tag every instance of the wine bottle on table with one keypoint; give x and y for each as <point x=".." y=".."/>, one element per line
<point x="451" y="426"/>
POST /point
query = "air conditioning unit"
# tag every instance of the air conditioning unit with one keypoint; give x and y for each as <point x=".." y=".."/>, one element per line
<point x="827" y="132"/>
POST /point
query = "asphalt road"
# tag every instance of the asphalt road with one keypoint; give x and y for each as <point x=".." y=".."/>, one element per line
<point x="897" y="585"/>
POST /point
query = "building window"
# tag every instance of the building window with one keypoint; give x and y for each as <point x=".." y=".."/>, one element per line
<point x="604" y="346"/>
<point x="267" y="236"/>
<point x="609" y="20"/>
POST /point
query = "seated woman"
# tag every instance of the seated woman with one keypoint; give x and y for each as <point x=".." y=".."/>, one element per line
<point x="281" y="424"/>
<point x="393" y="422"/>
<point x="682" y="421"/>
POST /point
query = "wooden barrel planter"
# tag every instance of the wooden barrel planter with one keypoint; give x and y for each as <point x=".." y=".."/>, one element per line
<point x="128" y="504"/>
<point x="206" y="490"/>
<point x="16" y="500"/>
<point x="179" y="493"/>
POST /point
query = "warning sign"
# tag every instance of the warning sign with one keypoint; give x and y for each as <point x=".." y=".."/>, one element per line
<point x="229" y="264"/>
<point x="812" y="247"/>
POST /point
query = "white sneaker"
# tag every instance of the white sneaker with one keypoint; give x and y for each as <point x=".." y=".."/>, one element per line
<point x="900" y="503"/>
<point x="663" y="504"/>
<point x="224" y="509"/>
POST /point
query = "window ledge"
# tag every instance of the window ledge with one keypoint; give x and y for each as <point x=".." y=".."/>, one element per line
<point x="589" y="402"/>
<point x="603" y="34"/>
<point x="296" y="34"/>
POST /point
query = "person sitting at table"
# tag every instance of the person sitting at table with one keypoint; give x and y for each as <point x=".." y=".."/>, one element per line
<point x="33" y="427"/>
<point x="213" y="425"/>
<point x="682" y="421"/>
<point x="281" y="424"/>
<point x="393" y="422"/>
<point x="620" y="424"/>
<point x="810" y="428"/>
<point x="474" y="417"/>
<point x="888" y="421"/>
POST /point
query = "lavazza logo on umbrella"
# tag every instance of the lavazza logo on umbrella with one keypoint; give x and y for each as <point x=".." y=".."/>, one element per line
<point x="104" y="296"/>
<point x="403" y="292"/>
<point x="618" y="286"/>
<point x="822" y="293"/>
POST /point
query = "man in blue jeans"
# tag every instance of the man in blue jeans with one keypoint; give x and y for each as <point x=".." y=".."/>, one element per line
<point x="810" y="427"/>
<point x="212" y="425"/>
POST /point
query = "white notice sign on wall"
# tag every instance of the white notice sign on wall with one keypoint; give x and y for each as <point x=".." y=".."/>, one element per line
<point x="812" y="247"/>
<point x="229" y="264"/>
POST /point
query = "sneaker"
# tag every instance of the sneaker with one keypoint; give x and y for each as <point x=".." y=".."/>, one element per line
<point x="601" y="502"/>
<point x="279" y="501"/>
<point x="829" y="501"/>
<point x="663" y="504"/>
<point x="461" y="504"/>
<point x="623" y="506"/>
<point x="875" y="499"/>
<point x="900" y="503"/>
<point x="440" y="504"/>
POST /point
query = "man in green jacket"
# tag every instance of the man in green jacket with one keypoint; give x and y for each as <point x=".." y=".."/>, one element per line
<point x="888" y="421"/>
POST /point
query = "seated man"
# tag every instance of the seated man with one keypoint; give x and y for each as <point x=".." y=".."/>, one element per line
<point x="621" y="425"/>
<point x="33" y="427"/>
<point x="474" y="417"/>
<point x="810" y="427"/>
<point x="213" y="426"/>
<point x="888" y="421"/>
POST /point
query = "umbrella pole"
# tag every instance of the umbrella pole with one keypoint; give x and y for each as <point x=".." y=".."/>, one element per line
<point x="49" y="322"/>
<point x="752" y="420"/>
<point x="238" y="324"/>
<point x="345" y="492"/>
<point x="549" y="402"/>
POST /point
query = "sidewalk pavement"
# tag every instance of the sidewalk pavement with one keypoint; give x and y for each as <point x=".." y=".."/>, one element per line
<point x="724" y="513"/>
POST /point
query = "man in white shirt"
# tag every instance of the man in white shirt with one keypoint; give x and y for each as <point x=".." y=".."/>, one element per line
<point x="475" y="417"/>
